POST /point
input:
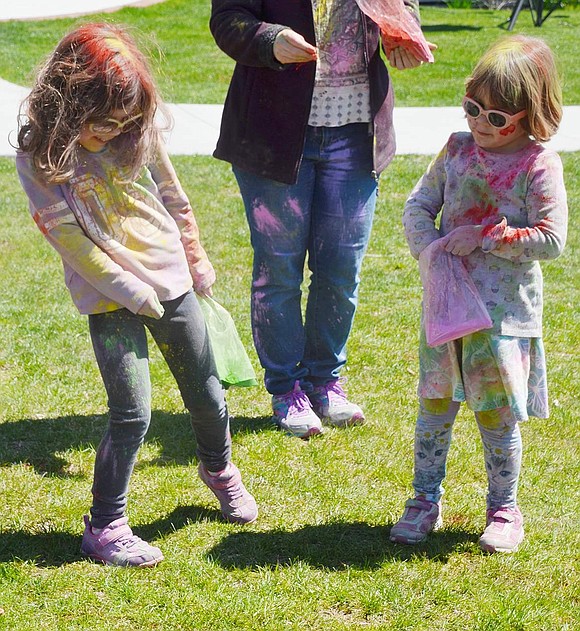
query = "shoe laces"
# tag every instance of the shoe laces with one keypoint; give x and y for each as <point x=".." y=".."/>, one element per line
<point x="295" y="398"/>
<point x="335" y="388"/>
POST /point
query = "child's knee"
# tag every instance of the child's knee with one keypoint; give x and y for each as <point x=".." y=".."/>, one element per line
<point x="436" y="406"/>
<point x="495" y="419"/>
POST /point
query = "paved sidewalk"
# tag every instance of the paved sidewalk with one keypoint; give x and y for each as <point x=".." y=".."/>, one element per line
<point x="421" y="130"/>
<point x="41" y="9"/>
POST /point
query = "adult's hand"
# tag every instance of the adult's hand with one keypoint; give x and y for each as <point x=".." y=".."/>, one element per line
<point x="291" y="48"/>
<point x="402" y="59"/>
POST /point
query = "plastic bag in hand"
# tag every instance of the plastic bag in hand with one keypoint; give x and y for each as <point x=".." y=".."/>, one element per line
<point x="398" y="27"/>
<point x="452" y="306"/>
<point x="233" y="364"/>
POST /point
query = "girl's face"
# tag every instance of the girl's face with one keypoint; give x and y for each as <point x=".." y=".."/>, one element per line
<point x="511" y="138"/>
<point x="96" y="134"/>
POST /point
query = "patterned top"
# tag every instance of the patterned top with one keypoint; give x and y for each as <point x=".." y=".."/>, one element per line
<point x="341" y="89"/>
<point x="119" y="241"/>
<point x="471" y="186"/>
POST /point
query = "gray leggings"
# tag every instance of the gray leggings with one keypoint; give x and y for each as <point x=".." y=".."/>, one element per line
<point x="120" y="343"/>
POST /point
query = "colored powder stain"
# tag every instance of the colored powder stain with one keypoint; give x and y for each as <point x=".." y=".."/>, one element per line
<point x="265" y="221"/>
<point x="516" y="234"/>
<point x="503" y="181"/>
<point x="482" y="215"/>
<point x="508" y="130"/>
<point x="294" y="207"/>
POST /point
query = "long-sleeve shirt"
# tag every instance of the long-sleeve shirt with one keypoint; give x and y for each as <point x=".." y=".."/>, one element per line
<point x="268" y="104"/>
<point x="467" y="185"/>
<point x="120" y="242"/>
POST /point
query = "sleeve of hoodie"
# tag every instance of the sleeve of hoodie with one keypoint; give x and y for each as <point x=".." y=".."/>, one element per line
<point x="58" y="224"/>
<point x="239" y="31"/>
<point x="177" y="204"/>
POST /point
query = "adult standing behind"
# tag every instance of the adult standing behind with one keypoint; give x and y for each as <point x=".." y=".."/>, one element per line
<point x="307" y="127"/>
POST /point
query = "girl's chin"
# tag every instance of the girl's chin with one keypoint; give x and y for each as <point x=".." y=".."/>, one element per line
<point x="94" y="144"/>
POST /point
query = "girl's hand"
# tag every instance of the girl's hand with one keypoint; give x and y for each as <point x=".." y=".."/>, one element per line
<point x="291" y="48"/>
<point x="402" y="59"/>
<point x="203" y="276"/>
<point x="152" y="308"/>
<point x="463" y="240"/>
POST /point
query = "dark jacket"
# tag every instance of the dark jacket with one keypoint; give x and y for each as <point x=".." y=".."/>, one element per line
<point x="268" y="104"/>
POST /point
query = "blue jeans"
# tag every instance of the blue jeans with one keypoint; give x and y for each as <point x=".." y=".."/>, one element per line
<point x="328" y="215"/>
<point x="120" y="344"/>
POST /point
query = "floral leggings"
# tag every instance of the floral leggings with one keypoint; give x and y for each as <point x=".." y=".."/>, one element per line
<point x="502" y="446"/>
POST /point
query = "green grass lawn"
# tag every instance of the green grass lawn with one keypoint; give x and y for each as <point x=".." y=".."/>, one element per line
<point x="319" y="556"/>
<point x="194" y="70"/>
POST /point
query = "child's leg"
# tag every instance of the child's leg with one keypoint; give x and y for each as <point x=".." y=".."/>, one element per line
<point x="432" y="440"/>
<point x="502" y="444"/>
<point x="182" y="338"/>
<point x="120" y="345"/>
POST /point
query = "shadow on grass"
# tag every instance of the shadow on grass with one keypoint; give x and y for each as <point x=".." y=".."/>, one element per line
<point x="41" y="442"/>
<point x="47" y="547"/>
<point x="334" y="546"/>
<point x="448" y="28"/>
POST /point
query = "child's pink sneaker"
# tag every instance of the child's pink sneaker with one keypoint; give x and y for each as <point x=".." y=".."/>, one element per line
<point x="504" y="531"/>
<point x="116" y="544"/>
<point x="420" y="517"/>
<point x="237" y="504"/>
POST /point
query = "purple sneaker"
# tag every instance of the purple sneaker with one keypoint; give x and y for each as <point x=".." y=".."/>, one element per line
<point x="117" y="545"/>
<point x="237" y="505"/>
<point x="293" y="413"/>
<point x="331" y="405"/>
<point x="504" y="531"/>
<point x="420" y="517"/>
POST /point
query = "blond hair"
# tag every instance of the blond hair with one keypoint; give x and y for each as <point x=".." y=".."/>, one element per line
<point x="519" y="73"/>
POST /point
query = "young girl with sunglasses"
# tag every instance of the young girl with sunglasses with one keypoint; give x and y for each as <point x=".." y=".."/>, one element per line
<point x="105" y="195"/>
<point x="500" y="199"/>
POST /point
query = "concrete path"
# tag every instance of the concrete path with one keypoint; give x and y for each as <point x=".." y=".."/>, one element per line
<point x="421" y="130"/>
<point x="43" y="9"/>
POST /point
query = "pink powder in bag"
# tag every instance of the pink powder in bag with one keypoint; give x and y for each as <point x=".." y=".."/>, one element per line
<point x="452" y="306"/>
<point x="398" y="27"/>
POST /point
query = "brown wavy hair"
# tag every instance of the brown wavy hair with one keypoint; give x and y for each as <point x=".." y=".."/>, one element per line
<point x="94" y="70"/>
<point x="520" y="73"/>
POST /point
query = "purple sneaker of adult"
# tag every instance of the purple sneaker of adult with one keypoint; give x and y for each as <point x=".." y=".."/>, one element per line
<point x="237" y="504"/>
<point x="293" y="414"/>
<point x="504" y="531"/>
<point x="117" y="545"/>
<point x="331" y="405"/>
<point x="420" y="518"/>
